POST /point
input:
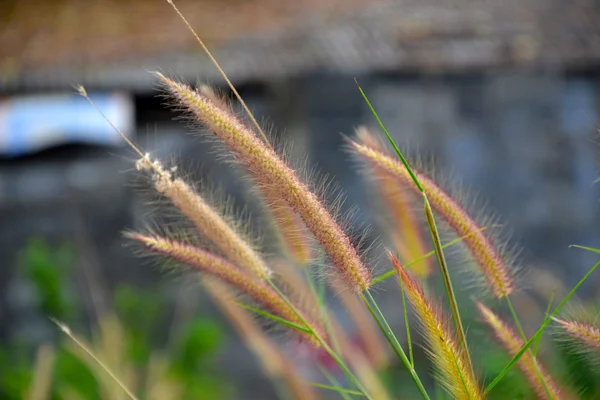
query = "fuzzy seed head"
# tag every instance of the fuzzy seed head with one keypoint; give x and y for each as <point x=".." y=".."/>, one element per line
<point x="208" y="221"/>
<point x="271" y="172"/>
<point x="585" y="333"/>
<point x="527" y="363"/>
<point x="216" y="266"/>
<point x="456" y="375"/>
<point x="406" y="232"/>
<point x="489" y="260"/>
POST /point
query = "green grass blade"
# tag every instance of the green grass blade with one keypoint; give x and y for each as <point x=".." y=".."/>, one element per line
<point x="536" y="365"/>
<point x="322" y="342"/>
<point x="385" y="328"/>
<point x="593" y="250"/>
<point x="335" y="389"/>
<point x="435" y="236"/>
<point x="274" y="317"/>
<point x="540" y="331"/>
<point x="396" y="149"/>
<point x="539" y="339"/>
<point x="334" y="382"/>
<point x="437" y="244"/>
<point x="392" y="271"/>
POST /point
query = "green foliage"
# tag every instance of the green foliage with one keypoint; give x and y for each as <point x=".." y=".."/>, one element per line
<point x="142" y="313"/>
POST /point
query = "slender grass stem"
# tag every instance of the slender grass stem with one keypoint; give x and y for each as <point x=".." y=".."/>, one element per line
<point x="437" y="243"/>
<point x="434" y="235"/>
<point x="392" y="272"/>
<point x="65" y="329"/>
<point x="385" y="328"/>
<point x="322" y="342"/>
<point x="540" y="331"/>
<point x="406" y="324"/>
<point x="323" y="310"/>
<point x="335" y="385"/>
<point x="536" y="365"/>
<point x="539" y="339"/>
<point x="274" y="317"/>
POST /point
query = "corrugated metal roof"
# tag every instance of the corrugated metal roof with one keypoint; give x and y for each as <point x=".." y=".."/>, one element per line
<point x="266" y="39"/>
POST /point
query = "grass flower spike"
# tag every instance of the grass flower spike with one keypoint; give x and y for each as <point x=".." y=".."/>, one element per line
<point x="490" y="261"/>
<point x="205" y="218"/>
<point x="274" y="362"/>
<point x="586" y="334"/>
<point x="271" y="172"/>
<point x="290" y="226"/>
<point x="455" y="374"/>
<point x="216" y="266"/>
<point x="545" y="389"/>
<point x="407" y="234"/>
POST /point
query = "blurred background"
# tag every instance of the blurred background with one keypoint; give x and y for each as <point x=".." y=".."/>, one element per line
<point x="505" y="95"/>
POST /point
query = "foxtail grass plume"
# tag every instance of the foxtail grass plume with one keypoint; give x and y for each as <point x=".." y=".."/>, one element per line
<point x="542" y="383"/>
<point x="270" y="171"/>
<point x="406" y="232"/>
<point x="454" y="371"/>
<point x="586" y="334"/>
<point x="290" y="226"/>
<point x="487" y="256"/>
<point x="205" y="218"/>
<point x="213" y="265"/>
<point x="275" y="364"/>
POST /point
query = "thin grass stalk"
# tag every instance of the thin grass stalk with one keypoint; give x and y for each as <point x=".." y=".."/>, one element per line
<point x="65" y="329"/>
<point x="275" y="364"/>
<point x="322" y="342"/>
<point x="536" y="345"/>
<point x="455" y="373"/>
<point x="392" y="271"/>
<point x="538" y="379"/>
<point x="393" y="341"/>
<point x="434" y="234"/>
<point x="437" y="244"/>
<point x="536" y="364"/>
<point x="542" y="328"/>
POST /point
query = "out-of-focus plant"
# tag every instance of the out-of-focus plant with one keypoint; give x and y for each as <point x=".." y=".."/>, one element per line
<point x="244" y="282"/>
<point x="125" y="338"/>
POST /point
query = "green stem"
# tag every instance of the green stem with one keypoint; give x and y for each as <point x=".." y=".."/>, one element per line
<point x="393" y="341"/>
<point x="392" y="272"/>
<point x="547" y="321"/>
<point x="408" y="339"/>
<point x="524" y="337"/>
<point x="321" y="341"/>
<point x="437" y="243"/>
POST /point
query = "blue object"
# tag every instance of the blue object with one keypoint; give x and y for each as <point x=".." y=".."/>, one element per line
<point x="32" y="123"/>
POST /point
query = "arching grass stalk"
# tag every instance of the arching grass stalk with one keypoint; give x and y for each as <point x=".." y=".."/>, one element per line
<point x="536" y="365"/>
<point x="545" y="323"/>
<point x="322" y="342"/>
<point x="435" y="236"/>
<point x="67" y="331"/>
<point x="370" y="303"/>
